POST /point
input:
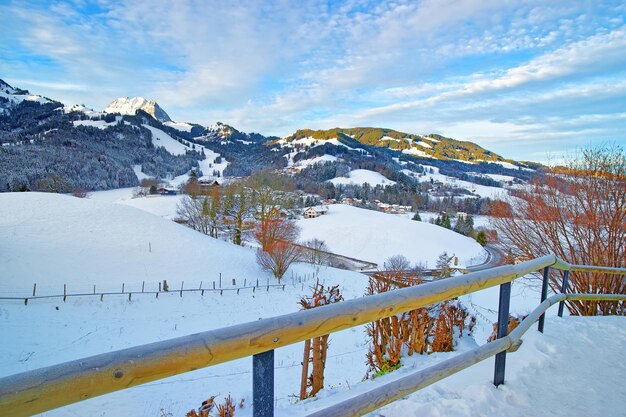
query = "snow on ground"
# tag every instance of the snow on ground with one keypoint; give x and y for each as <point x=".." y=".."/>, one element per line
<point x="574" y="369"/>
<point x="160" y="205"/>
<point x="89" y="241"/>
<point x="182" y="126"/>
<point x="207" y="165"/>
<point x="374" y="236"/>
<point x="506" y="164"/>
<point x="109" y="244"/>
<point x="481" y="190"/>
<point x="82" y="242"/>
<point x="100" y="124"/>
<point x="497" y="177"/>
<point x="160" y="138"/>
<point x="362" y="176"/>
<point x="80" y="108"/>
<point x="312" y="161"/>
<point x="15" y="99"/>
<point x="417" y="152"/>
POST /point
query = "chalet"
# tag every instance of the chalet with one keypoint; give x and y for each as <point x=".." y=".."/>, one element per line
<point x="207" y="184"/>
<point x="348" y="201"/>
<point x="313" y="212"/>
<point x="166" y="191"/>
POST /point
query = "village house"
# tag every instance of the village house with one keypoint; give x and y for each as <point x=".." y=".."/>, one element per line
<point x="166" y="191"/>
<point x="313" y="212"/>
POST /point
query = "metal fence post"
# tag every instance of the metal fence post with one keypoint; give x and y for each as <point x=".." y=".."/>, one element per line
<point x="563" y="290"/>
<point x="503" y="330"/>
<point x="544" y="295"/>
<point x="263" y="384"/>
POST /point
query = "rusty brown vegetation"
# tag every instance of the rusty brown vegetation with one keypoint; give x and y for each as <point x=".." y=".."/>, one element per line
<point x="315" y="349"/>
<point x="423" y="330"/>
<point x="579" y="214"/>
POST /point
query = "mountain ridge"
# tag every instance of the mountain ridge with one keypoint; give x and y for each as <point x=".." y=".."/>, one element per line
<point x="130" y="106"/>
<point x="45" y="145"/>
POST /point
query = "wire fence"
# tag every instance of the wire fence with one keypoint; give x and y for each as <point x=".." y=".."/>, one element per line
<point x="252" y="286"/>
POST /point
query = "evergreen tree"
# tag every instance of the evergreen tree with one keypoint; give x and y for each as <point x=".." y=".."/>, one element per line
<point x="416" y="217"/>
<point x="443" y="266"/>
<point x="445" y="221"/>
<point x="481" y="238"/>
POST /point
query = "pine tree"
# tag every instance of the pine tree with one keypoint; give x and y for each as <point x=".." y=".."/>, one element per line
<point x="445" y="221"/>
<point x="417" y="217"/>
<point x="443" y="266"/>
<point x="481" y="238"/>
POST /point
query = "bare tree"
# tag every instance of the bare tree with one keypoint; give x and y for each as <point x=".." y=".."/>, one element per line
<point x="238" y="210"/>
<point x="271" y="230"/>
<point x="278" y="257"/>
<point x="578" y="213"/>
<point x="397" y="263"/>
<point x="191" y="210"/>
<point x="316" y="252"/>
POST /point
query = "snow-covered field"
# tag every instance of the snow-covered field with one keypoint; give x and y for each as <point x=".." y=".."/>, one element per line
<point x="374" y="236"/>
<point x="362" y="176"/>
<point x="477" y="189"/>
<point x="53" y="240"/>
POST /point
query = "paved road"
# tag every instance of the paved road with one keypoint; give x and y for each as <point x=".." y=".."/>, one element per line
<point x="495" y="258"/>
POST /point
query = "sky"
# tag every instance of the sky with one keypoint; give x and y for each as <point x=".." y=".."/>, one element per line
<point x="529" y="80"/>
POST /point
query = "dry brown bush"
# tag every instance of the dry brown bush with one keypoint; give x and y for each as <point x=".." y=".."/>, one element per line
<point x="318" y="346"/>
<point x="423" y="330"/>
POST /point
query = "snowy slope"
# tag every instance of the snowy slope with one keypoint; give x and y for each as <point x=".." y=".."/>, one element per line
<point x="362" y="176"/>
<point x="182" y="126"/>
<point x="207" y="165"/>
<point x="373" y="236"/>
<point x="53" y="240"/>
<point x="15" y="96"/>
<point x="108" y="243"/>
<point x="481" y="190"/>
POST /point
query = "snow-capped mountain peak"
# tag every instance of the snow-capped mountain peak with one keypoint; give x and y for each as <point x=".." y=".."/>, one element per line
<point x="127" y="105"/>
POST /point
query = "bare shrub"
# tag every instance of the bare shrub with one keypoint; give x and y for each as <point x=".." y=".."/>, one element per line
<point x="315" y="350"/>
<point x="79" y="193"/>
<point x="423" y="330"/>
<point x="223" y="410"/>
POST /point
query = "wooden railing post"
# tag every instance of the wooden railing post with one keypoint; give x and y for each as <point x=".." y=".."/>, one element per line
<point x="544" y="295"/>
<point x="263" y="384"/>
<point x="503" y="330"/>
<point x="564" y="291"/>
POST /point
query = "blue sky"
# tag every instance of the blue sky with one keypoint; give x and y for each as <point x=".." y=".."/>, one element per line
<point x="527" y="79"/>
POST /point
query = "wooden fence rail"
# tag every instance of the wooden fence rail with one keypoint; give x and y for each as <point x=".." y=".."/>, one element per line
<point x="43" y="389"/>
